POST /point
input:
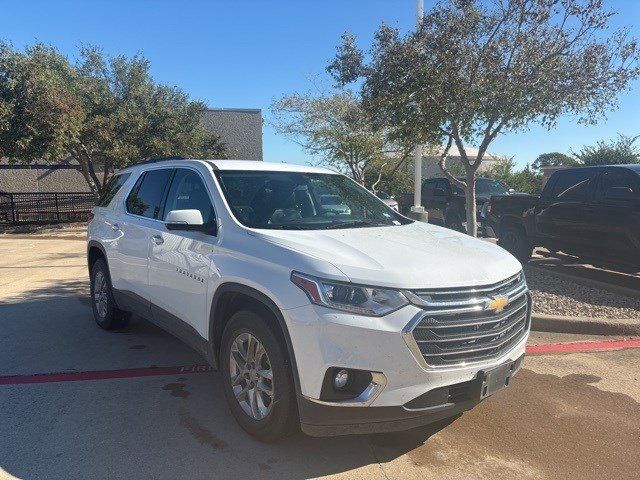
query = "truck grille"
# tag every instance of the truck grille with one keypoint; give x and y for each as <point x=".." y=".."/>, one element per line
<point x="462" y="325"/>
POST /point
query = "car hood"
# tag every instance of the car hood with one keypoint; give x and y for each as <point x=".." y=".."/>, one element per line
<point x="417" y="255"/>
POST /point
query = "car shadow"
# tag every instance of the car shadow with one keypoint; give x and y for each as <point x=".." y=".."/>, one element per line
<point x="175" y="426"/>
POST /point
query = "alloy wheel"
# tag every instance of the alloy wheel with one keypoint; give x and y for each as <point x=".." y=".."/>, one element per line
<point x="100" y="294"/>
<point x="251" y="376"/>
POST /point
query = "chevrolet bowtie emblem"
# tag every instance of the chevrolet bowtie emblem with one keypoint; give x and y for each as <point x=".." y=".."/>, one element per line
<point x="497" y="303"/>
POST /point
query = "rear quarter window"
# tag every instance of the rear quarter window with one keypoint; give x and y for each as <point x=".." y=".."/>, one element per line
<point x="113" y="186"/>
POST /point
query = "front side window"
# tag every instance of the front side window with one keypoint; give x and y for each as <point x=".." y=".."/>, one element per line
<point x="146" y="197"/>
<point x="573" y="185"/>
<point x="112" y="187"/>
<point x="188" y="192"/>
<point x="302" y="201"/>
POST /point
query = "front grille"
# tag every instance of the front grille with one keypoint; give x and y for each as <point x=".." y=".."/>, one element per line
<point x="459" y="327"/>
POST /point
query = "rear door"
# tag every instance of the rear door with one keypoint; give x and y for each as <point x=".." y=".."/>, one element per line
<point x="179" y="261"/>
<point x="134" y="227"/>
<point x="616" y="227"/>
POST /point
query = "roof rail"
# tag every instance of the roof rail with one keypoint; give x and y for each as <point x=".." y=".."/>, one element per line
<point x="160" y="159"/>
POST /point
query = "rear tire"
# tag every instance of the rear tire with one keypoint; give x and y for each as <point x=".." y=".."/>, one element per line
<point x="514" y="240"/>
<point x="105" y="312"/>
<point x="265" y="408"/>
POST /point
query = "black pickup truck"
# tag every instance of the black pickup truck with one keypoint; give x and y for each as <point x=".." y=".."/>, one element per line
<point x="445" y="202"/>
<point x="589" y="212"/>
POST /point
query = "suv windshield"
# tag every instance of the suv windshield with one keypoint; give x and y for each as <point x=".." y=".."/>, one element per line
<point x="302" y="201"/>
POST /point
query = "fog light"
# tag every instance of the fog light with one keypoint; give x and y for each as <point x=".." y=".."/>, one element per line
<point x="341" y="379"/>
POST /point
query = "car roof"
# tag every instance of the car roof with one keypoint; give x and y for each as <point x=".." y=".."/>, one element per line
<point x="222" y="165"/>
<point x="634" y="166"/>
<point x="631" y="166"/>
<point x="252" y="165"/>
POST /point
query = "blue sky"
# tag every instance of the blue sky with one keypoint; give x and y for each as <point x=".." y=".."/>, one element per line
<point x="245" y="53"/>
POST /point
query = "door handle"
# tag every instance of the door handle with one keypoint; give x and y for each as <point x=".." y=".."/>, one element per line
<point x="157" y="239"/>
<point x="115" y="226"/>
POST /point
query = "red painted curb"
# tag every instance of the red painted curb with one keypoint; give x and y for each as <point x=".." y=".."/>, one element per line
<point x="103" y="374"/>
<point x="575" y="347"/>
<point x="548" y="349"/>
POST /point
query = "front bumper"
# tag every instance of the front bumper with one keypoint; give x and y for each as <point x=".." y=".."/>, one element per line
<point x="321" y="420"/>
<point x="324" y="338"/>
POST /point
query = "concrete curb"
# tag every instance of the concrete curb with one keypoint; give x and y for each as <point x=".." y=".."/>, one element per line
<point x="585" y="325"/>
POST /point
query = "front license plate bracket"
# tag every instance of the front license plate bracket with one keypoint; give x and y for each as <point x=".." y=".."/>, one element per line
<point x="495" y="379"/>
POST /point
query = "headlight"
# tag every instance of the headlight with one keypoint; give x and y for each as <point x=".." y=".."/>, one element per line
<point x="373" y="301"/>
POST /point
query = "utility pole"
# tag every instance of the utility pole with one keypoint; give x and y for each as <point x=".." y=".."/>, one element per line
<point x="418" y="210"/>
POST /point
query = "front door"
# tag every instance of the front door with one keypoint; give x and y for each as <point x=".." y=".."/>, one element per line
<point x="564" y="217"/>
<point x="179" y="261"/>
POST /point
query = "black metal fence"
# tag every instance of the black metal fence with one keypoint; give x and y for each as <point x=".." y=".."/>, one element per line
<point x="45" y="207"/>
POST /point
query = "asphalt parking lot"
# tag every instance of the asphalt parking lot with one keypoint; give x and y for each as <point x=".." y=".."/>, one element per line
<point x="564" y="416"/>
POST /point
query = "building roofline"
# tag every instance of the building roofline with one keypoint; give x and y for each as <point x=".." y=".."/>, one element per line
<point x="243" y="110"/>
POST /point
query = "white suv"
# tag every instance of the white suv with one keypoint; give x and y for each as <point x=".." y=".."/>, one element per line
<point x="341" y="316"/>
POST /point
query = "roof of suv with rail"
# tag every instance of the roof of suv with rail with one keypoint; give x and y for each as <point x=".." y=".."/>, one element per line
<point x="244" y="165"/>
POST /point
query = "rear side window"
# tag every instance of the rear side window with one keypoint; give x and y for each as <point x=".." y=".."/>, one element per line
<point x="573" y="185"/>
<point x="113" y="186"/>
<point x="188" y="192"/>
<point x="618" y="178"/>
<point x="146" y="197"/>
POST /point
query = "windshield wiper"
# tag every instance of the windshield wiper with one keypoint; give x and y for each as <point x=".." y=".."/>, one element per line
<point x="285" y="227"/>
<point x="356" y="223"/>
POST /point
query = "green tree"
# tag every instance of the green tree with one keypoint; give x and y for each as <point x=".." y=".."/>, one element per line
<point x="619" y="151"/>
<point x="526" y="180"/>
<point x="336" y="129"/>
<point x="474" y="69"/>
<point x="382" y="176"/>
<point x="97" y="114"/>
<point x="553" y="159"/>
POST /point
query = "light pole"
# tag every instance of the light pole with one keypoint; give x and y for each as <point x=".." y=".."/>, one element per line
<point x="417" y="209"/>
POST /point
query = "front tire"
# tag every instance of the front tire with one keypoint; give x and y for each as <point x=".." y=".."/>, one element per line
<point x="105" y="312"/>
<point x="514" y="240"/>
<point x="257" y="378"/>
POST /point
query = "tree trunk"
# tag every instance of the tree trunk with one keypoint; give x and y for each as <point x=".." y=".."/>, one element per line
<point x="470" y="197"/>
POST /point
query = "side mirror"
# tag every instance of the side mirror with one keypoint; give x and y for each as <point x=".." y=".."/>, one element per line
<point x="185" y="220"/>
<point x="619" y="193"/>
<point x="511" y="190"/>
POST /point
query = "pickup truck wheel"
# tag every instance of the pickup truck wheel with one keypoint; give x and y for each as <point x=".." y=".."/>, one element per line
<point x="105" y="312"/>
<point x="257" y="378"/>
<point x="514" y="240"/>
